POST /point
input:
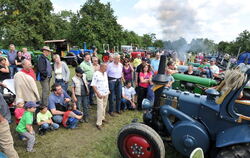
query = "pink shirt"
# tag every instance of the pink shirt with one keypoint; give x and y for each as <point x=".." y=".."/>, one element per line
<point x="145" y="76"/>
<point x="18" y="114"/>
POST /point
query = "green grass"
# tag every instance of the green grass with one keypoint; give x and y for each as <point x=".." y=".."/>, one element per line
<point x="83" y="142"/>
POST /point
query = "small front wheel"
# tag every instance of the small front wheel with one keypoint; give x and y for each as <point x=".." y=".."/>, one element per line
<point x="139" y="140"/>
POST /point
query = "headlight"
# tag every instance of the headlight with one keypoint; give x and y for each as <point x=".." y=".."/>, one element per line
<point x="146" y="104"/>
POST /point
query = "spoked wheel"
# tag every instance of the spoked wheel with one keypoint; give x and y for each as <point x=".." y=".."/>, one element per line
<point x="235" y="151"/>
<point x="138" y="140"/>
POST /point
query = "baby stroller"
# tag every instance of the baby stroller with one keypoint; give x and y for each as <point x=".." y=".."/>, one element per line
<point x="9" y="93"/>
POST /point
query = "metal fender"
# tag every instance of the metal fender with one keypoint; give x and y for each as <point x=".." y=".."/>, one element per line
<point x="235" y="135"/>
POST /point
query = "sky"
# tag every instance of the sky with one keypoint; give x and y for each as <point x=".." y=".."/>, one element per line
<point x="218" y="20"/>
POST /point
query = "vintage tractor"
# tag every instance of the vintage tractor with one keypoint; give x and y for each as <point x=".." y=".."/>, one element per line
<point x="217" y="123"/>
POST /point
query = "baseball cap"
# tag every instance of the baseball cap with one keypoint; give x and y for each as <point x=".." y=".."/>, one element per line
<point x="79" y="70"/>
<point x="145" y="59"/>
<point x="213" y="59"/>
<point x="30" y="104"/>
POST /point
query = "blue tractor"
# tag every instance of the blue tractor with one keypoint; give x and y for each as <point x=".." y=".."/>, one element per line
<point x="189" y="121"/>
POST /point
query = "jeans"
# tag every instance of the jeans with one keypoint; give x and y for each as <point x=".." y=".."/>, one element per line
<point x="72" y="122"/>
<point x="31" y="140"/>
<point x="115" y="88"/>
<point x="125" y="104"/>
<point x="142" y="93"/>
<point x="12" y="70"/>
<point x="63" y="84"/>
<point x="52" y="126"/>
<point x="91" y="93"/>
<point x="45" y="91"/>
<point x="57" y="118"/>
<point x="82" y="104"/>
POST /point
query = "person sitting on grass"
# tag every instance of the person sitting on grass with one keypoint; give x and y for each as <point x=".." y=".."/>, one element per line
<point x="24" y="128"/>
<point x="58" y="102"/>
<point x="44" y="120"/>
<point x="72" y="116"/>
<point x="128" y="96"/>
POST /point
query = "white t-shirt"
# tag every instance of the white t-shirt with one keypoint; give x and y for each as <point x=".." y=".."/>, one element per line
<point x="100" y="81"/>
<point x="128" y="92"/>
<point x="215" y="69"/>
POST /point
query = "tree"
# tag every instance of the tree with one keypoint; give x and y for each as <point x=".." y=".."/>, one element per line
<point x="158" y="44"/>
<point x="96" y="25"/>
<point x="26" y="22"/>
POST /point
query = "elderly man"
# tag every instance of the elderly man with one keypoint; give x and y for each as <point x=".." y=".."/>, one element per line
<point x="114" y="72"/>
<point x="58" y="104"/>
<point x="45" y="72"/>
<point x="101" y="89"/>
<point x="25" y="83"/>
<point x="12" y="54"/>
<point x="88" y="69"/>
<point x="6" y="140"/>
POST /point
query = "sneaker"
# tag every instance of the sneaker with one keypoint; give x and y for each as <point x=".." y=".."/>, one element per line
<point x="24" y="139"/>
<point x="105" y="121"/>
<point x="119" y="112"/>
<point x="112" y="114"/>
<point x="98" y="127"/>
<point x="86" y="120"/>
<point x="81" y="121"/>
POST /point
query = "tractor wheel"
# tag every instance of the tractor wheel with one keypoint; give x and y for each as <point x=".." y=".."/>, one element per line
<point x="139" y="140"/>
<point x="235" y="151"/>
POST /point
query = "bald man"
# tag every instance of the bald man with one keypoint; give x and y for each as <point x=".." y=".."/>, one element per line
<point x="25" y="83"/>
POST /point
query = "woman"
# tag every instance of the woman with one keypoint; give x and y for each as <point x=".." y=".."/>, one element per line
<point x="61" y="71"/>
<point x="19" y="60"/>
<point x="127" y="71"/>
<point x="4" y="69"/>
<point x="145" y="82"/>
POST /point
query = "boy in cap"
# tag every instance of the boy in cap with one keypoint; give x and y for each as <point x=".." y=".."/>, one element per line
<point x="25" y="128"/>
<point x="80" y="92"/>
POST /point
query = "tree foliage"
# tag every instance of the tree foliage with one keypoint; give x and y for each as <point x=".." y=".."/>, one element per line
<point x="26" y="22"/>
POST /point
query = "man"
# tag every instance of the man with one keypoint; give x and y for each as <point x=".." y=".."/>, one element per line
<point x="12" y="54"/>
<point x="26" y="54"/>
<point x="58" y="103"/>
<point x="214" y="68"/>
<point x="88" y="69"/>
<point x="101" y="89"/>
<point x="25" y="83"/>
<point x="6" y="140"/>
<point x="155" y="62"/>
<point x="114" y="72"/>
<point x="45" y="72"/>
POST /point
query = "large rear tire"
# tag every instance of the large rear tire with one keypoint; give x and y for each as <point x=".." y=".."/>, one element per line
<point x="139" y="140"/>
<point x="235" y="151"/>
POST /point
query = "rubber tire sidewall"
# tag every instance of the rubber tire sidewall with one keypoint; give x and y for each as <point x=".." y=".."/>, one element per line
<point x="146" y="132"/>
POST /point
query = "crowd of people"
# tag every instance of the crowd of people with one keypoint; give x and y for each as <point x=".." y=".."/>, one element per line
<point x="115" y="86"/>
<point x="112" y="85"/>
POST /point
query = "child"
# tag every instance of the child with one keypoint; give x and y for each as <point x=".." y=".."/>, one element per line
<point x="128" y="93"/>
<point x="169" y="78"/>
<point x="71" y="116"/>
<point x="19" y="113"/>
<point x="44" y="120"/>
<point x="25" y="128"/>
<point x="80" y="92"/>
<point x="19" y="110"/>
